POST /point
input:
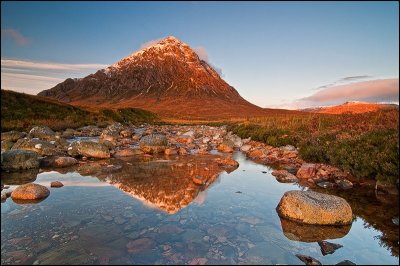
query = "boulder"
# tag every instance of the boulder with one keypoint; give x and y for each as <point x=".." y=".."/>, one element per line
<point x="42" y="147"/>
<point x="12" y="136"/>
<point x="14" y="160"/>
<point x="30" y="191"/>
<point x="236" y="140"/>
<point x="288" y="148"/>
<point x="344" y="184"/>
<point x="307" y="170"/>
<point x="315" y="208"/>
<point x="89" y="149"/>
<point x="41" y="132"/>
<point x="70" y="133"/>
<point x="256" y="153"/>
<point x="6" y="145"/>
<point x="182" y="151"/>
<point x="56" y="184"/>
<point x="328" y="248"/>
<point x="126" y="133"/>
<point x="228" y="162"/>
<point x="283" y="176"/>
<point x="245" y="148"/>
<point x="226" y="146"/>
<point x="153" y="143"/>
<point x="170" y="151"/>
<point x="56" y="161"/>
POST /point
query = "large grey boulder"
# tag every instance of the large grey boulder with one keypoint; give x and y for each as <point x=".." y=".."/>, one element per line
<point x="153" y="143"/>
<point x="12" y="135"/>
<point x="89" y="149"/>
<point x="42" y="147"/>
<point x="41" y="132"/>
<point x="14" y="160"/>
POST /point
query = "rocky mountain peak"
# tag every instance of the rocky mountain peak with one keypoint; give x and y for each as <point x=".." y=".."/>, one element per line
<point x="155" y="77"/>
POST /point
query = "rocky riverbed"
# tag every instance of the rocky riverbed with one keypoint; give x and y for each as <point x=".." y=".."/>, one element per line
<point x="168" y="168"/>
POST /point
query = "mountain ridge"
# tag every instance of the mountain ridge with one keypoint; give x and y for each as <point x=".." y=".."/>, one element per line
<point x="168" y="78"/>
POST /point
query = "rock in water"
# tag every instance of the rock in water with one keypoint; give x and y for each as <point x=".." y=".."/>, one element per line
<point x="226" y="146"/>
<point x="314" y="208"/>
<point x="328" y="248"/>
<point x="30" y="192"/>
<point x="88" y="149"/>
<point x="308" y="260"/>
<point x="56" y="184"/>
<point x="42" y="147"/>
<point x="12" y="136"/>
<point x="6" y="145"/>
<point x="283" y="176"/>
<point x="41" y="133"/>
<point x="14" y="160"/>
<point x="307" y="170"/>
<point x="154" y="143"/>
<point x="228" y="162"/>
<point x="55" y="161"/>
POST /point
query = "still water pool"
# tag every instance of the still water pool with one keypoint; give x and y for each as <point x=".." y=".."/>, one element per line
<point x="149" y="211"/>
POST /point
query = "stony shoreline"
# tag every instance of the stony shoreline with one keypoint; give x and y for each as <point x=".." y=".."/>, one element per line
<point x="54" y="150"/>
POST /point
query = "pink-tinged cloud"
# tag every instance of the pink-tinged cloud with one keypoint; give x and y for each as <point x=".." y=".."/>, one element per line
<point x="202" y="53"/>
<point x="16" y="36"/>
<point x="383" y="90"/>
<point x="149" y="43"/>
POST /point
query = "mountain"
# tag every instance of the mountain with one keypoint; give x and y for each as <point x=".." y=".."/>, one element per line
<point x="354" y="107"/>
<point x="167" y="78"/>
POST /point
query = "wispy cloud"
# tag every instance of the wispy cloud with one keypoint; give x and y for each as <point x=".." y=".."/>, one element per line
<point x="32" y="76"/>
<point x="149" y="43"/>
<point x="203" y="55"/>
<point x="344" y="80"/>
<point x="47" y="65"/>
<point x="374" y="91"/>
<point x="16" y="36"/>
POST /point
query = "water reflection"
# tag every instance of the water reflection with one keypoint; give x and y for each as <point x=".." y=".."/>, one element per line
<point x="19" y="177"/>
<point x="89" y="221"/>
<point x="165" y="184"/>
<point x="312" y="233"/>
<point x="377" y="210"/>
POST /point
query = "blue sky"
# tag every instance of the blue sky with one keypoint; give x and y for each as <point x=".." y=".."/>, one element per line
<point x="274" y="53"/>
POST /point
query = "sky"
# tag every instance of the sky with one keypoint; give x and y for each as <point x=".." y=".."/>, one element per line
<point x="275" y="54"/>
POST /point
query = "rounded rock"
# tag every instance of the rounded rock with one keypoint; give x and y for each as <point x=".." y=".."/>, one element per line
<point x="311" y="207"/>
<point x="30" y="191"/>
<point x="14" y="160"/>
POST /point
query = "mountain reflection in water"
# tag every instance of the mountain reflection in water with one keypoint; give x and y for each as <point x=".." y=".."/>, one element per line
<point x="165" y="184"/>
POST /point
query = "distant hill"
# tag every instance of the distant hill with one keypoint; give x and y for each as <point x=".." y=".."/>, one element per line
<point x="20" y="111"/>
<point x="353" y="107"/>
